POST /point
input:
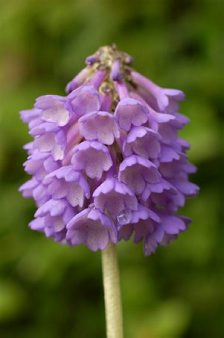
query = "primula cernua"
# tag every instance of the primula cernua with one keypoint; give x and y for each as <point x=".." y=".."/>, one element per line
<point x="106" y="160"/>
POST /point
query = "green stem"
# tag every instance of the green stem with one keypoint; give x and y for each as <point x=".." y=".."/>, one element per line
<point x="112" y="296"/>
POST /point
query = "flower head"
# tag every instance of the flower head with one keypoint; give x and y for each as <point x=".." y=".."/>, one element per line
<point x="106" y="160"/>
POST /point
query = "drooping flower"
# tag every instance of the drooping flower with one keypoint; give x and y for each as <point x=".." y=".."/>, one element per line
<point x="106" y="160"/>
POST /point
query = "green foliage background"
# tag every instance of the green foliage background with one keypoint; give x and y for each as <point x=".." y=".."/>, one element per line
<point x="50" y="291"/>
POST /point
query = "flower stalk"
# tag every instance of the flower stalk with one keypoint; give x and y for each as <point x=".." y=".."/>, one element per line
<point x="112" y="294"/>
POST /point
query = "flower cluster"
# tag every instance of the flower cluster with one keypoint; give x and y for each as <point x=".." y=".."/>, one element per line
<point x="106" y="160"/>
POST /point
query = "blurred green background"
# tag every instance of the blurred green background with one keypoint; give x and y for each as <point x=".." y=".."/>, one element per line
<point x="51" y="291"/>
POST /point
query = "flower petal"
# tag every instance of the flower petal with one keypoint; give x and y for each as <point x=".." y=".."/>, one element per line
<point x="91" y="157"/>
<point x="113" y="197"/>
<point x="92" y="228"/>
<point x="143" y="142"/>
<point x="100" y="126"/>
<point x="137" y="172"/>
<point x="131" y="112"/>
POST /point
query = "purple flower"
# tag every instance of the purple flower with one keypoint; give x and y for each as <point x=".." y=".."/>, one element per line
<point x="52" y="218"/>
<point x="67" y="183"/>
<point x="106" y="161"/>
<point x="113" y="198"/>
<point x="52" y="109"/>
<point x="142" y="141"/>
<point x="137" y="173"/>
<point x="130" y="112"/>
<point x="83" y="100"/>
<point x="92" y="158"/>
<point x="100" y="126"/>
<point x="92" y="228"/>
